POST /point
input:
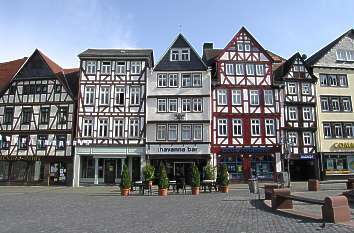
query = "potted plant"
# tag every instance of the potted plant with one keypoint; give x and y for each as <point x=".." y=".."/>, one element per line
<point x="149" y="173"/>
<point x="224" y="179"/>
<point x="209" y="172"/>
<point x="126" y="182"/>
<point x="163" y="181"/>
<point x="195" y="180"/>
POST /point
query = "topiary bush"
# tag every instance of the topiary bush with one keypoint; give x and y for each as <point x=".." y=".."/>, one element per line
<point x="126" y="181"/>
<point x="209" y="172"/>
<point x="163" y="181"/>
<point x="195" y="176"/>
<point x="149" y="172"/>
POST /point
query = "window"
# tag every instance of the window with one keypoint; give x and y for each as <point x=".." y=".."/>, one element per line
<point x="57" y="88"/>
<point x="134" y="128"/>
<point x="62" y="115"/>
<point x="250" y="69"/>
<point x="236" y="127"/>
<point x="236" y="97"/>
<point x="173" y="80"/>
<point x="29" y="89"/>
<point x="42" y="142"/>
<point x="161" y="105"/>
<point x="186" y="133"/>
<point x="222" y="127"/>
<point x="104" y="95"/>
<point x="239" y="69"/>
<point x="338" y="130"/>
<point x="41" y="89"/>
<point x="292" y="138"/>
<point x="91" y="67"/>
<point x="197" y="80"/>
<point x="23" y="142"/>
<point x="89" y="95"/>
<point x="185" y="54"/>
<point x="197" y="105"/>
<point x="324" y="104"/>
<point x="335" y="104"/>
<point x="135" y="67"/>
<point x="26" y="116"/>
<point x="61" y="142"/>
<point x="292" y="88"/>
<point x="343" y="80"/>
<point x="180" y="54"/>
<point x="269" y="127"/>
<point x="174" y="55"/>
<point x="306" y="89"/>
<point x="350" y="55"/>
<point x="106" y="67"/>
<point x="5" y="142"/>
<point x="255" y="127"/>
<point x="172" y="105"/>
<point x="12" y="90"/>
<point x="135" y="95"/>
<point x="240" y="46"/>
<point x="103" y="128"/>
<point x="332" y="80"/>
<point x="230" y="69"/>
<point x="268" y="97"/>
<point x="186" y="105"/>
<point x="87" y="128"/>
<point x="161" y="132"/>
<point x="8" y="116"/>
<point x="186" y="80"/>
<point x="307" y="136"/>
<point x="327" y="130"/>
<point x="172" y="132"/>
<point x="197" y="132"/>
<point x="247" y="46"/>
<point x="120" y="68"/>
<point x="120" y="95"/>
<point x="118" y="128"/>
<point x="161" y="80"/>
<point x="323" y="80"/>
<point x="222" y="97"/>
<point x="349" y="130"/>
<point x="307" y="112"/>
<point x="341" y="55"/>
<point x="292" y="113"/>
<point x="254" y="97"/>
<point x="260" y="69"/>
<point x="347" y="106"/>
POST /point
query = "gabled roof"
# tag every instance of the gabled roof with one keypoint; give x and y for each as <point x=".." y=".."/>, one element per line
<point x="195" y="62"/>
<point x="120" y="53"/>
<point x="8" y="71"/>
<point x="318" y="55"/>
<point x="284" y="68"/>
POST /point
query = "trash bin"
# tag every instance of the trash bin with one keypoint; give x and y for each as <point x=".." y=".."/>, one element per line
<point x="252" y="184"/>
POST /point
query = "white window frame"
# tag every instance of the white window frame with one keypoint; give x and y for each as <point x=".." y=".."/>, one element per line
<point x="161" y="131"/>
<point x="197" y="105"/>
<point x="185" y="54"/>
<point x="172" y="105"/>
<point x="293" y="114"/>
<point x="134" y="127"/>
<point x="347" y="105"/>
<point x="135" y="94"/>
<point x="172" y="128"/>
<point x="118" y="127"/>
<point x="306" y="89"/>
<point x="222" y="96"/>
<point x="255" y="127"/>
<point x="91" y="67"/>
<point x="335" y="102"/>
<point x="121" y="67"/>
<point x="259" y="69"/>
<point x="292" y="88"/>
<point x="172" y="80"/>
<point x="104" y="95"/>
<point x="87" y="126"/>
<point x="198" y="132"/>
<point x="338" y="126"/>
<point x="186" y="128"/>
<point x="222" y="127"/>
<point x="174" y="55"/>
<point x="250" y="69"/>
<point x="106" y="67"/>
<point x="254" y="97"/>
<point x="268" y="97"/>
<point x="103" y="127"/>
<point x="119" y="95"/>
<point x="230" y="69"/>
<point x="269" y="127"/>
<point x="161" y="103"/>
<point x="239" y="69"/>
<point x="293" y="138"/>
<point x="327" y="129"/>
<point x="237" y="127"/>
<point x="135" y="67"/>
<point x="236" y="97"/>
<point x="186" y="79"/>
<point x="343" y="80"/>
<point x="324" y="103"/>
<point x="307" y="113"/>
<point x="307" y="138"/>
<point x="197" y="80"/>
<point x="90" y="95"/>
<point x="186" y="104"/>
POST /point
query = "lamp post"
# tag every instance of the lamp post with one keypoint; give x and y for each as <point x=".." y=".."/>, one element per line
<point x="289" y="144"/>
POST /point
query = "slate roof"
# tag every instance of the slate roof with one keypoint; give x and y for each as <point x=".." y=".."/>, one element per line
<point x="195" y="62"/>
<point x="120" y="53"/>
<point x="318" y="55"/>
<point x="8" y="70"/>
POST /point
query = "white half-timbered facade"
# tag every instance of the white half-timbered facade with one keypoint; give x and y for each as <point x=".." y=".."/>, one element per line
<point x="298" y="116"/>
<point x="111" y="114"/>
<point x="37" y="122"/>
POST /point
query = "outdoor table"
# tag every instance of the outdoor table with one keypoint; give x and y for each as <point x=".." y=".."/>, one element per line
<point x="172" y="183"/>
<point x="208" y="184"/>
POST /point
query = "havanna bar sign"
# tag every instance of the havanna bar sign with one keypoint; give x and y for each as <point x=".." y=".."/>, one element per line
<point x="17" y="158"/>
<point x="344" y="145"/>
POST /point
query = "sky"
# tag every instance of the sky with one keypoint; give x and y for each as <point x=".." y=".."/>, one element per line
<point x="63" y="29"/>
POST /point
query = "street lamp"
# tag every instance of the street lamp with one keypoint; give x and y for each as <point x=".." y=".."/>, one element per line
<point x="288" y="146"/>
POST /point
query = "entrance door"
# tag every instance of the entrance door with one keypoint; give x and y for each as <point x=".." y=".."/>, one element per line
<point x="183" y="170"/>
<point x="302" y="170"/>
<point x="110" y="171"/>
<point x="246" y="166"/>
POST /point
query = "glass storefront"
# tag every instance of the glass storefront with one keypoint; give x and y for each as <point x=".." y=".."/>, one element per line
<point x="263" y="166"/>
<point x="337" y="164"/>
<point x="17" y="171"/>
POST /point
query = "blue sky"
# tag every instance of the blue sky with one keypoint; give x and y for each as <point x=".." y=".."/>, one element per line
<point x="62" y="29"/>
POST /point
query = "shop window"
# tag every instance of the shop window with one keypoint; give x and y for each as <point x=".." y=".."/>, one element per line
<point x="262" y="167"/>
<point x="88" y="167"/>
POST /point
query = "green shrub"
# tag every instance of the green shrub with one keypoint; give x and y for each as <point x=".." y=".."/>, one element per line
<point x="126" y="181"/>
<point x="163" y="181"/>
<point x="224" y="176"/>
<point x="149" y="172"/>
<point x="195" y="176"/>
<point x="209" y="172"/>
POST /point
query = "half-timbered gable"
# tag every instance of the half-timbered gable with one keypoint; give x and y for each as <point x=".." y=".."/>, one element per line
<point x="245" y="104"/>
<point x="37" y="119"/>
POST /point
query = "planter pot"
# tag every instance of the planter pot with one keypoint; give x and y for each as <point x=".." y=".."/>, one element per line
<point x="162" y="192"/>
<point x="124" y="192"/>
<point x="224" y="189"/>
<point x="195" y="190"/>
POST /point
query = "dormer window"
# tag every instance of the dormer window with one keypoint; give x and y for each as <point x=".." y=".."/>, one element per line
<point x="180" y="54"/>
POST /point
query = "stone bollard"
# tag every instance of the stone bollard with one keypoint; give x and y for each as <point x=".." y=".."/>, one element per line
<point x="350" y="183"/>
<point x="268" y="190"/>
<point x="336" y="210"/>
<point x="313" y="185"/>
<point x="279" y="202"/>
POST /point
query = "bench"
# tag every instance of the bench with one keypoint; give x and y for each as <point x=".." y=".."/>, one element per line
<point x="314" y="185"/>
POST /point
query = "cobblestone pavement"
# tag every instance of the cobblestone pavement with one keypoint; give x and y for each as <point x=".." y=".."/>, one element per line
<point x="101" y="209"/>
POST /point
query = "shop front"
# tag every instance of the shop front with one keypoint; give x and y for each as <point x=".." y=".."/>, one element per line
<point x="246" y="162"/>
<point x="303" y="167"/>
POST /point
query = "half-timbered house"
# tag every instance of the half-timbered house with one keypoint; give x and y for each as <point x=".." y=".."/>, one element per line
<point x="37" y="122"/>
<point x="178" y="114"/>
<point x="298" y="117"/>
<point x="111" y="114"/>
<point x="245" y="126"/>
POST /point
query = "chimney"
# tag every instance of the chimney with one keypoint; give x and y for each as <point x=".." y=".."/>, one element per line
<point x="208" y="45"/>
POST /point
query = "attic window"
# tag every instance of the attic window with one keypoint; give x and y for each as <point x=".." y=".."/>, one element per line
<point x="180" y="54"/>
<point x="345" y="55"/>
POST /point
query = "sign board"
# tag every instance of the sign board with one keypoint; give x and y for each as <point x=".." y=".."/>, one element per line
<point x="16" y="158"/>
<point x="343" y="145"/>
<point x="247" y="149"/>
<point x="178" y="149"/>
<point x="307" y="156"/>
